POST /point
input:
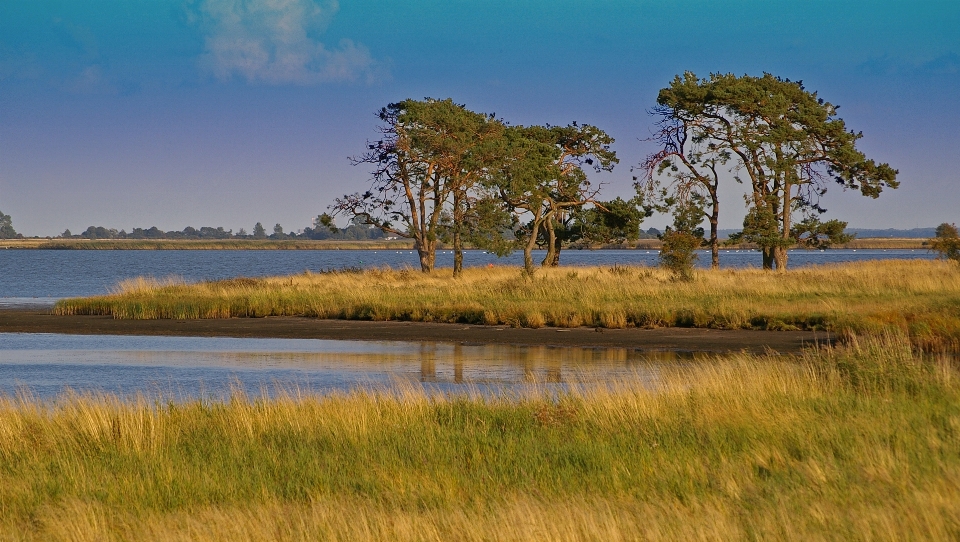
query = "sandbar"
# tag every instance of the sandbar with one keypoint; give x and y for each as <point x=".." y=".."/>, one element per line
<point x="674" y="339"/>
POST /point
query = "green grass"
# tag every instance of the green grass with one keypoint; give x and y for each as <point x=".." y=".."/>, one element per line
<point x="918" y="298"/>
<point x="861" y="442"/>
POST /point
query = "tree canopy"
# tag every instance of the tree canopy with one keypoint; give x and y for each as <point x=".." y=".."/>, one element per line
<point x="783" y="141"/>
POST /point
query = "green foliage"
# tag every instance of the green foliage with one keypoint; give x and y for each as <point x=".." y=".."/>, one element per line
<point x="947" y="242"/>
<point x="431" y="156"/>
<point x="811" y="233"/>
<point x="680" y="242"/>
<point x="784" y="141"/>
<point x="678" y="252"/>
<point x="614" y="221"/>
<point x="6" y="228"/>
<point x="259" y="232"/>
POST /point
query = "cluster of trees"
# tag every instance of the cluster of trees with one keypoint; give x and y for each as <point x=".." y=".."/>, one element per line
<point x="443" y="173"/>
<point x="6" y="228"/>
<point x="783" y="142"/>
<point x="353" y="232"/>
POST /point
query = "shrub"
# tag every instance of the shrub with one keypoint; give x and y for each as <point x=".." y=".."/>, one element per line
<point x="947" y="242"/>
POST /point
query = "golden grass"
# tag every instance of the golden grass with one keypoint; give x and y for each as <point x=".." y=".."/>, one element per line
<point x="919" y="298"/>
<point x="856" y="443"/>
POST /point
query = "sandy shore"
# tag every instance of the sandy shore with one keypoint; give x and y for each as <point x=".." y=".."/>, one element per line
<point x="684" y="339"/>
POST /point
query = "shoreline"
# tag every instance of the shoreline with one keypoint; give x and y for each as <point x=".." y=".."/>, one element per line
<point x="293" y="327"/>
<point x="871" y="243"/>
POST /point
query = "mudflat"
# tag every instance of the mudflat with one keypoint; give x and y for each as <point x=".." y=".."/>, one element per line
<point x="682" y="339"/>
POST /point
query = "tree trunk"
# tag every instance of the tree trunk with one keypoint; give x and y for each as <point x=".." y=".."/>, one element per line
<point x="427" y="250"/>
<point x="557" y="245"/>
<point x="714" y="240"/>
<point x="528" y="254"/>
<point x="551" y="244"/>
<point x="457" y="240"/>
<point x="767" y="257"/>
<point x="780" y="258"/>
<point x="457" y="253"/>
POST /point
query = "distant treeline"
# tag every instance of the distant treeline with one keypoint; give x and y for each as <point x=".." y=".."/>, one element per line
<point x="353" y="232"/>
<point x="866" y="233"/>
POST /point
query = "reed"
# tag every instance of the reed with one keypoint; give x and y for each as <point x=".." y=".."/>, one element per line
<point x="918" y="298"/>
<point x="858" y="442"/>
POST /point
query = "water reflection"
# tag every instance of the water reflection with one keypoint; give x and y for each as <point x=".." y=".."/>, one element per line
<point x="190" y="367"/>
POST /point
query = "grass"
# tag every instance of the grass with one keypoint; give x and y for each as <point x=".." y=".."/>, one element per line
<point x="918" y="298"/>
<point x="859" y="442"/>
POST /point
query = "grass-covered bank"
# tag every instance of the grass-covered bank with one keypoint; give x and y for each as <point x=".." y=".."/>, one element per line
<point x="861" y="442"/>
<point x="918" y="298"/>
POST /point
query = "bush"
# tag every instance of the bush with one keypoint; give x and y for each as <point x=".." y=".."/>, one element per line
<point x="947" y="242"/>
<point x="678" y="253"/>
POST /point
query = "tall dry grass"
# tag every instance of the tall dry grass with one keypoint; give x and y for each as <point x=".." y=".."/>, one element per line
<point x="920" y="298"/>
<point x="854" y="443"/>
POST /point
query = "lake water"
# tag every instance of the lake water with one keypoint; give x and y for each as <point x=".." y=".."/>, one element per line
<point x="178" y="368"/>
<point x="39" y="277"/>
<point x="46" y="365"/>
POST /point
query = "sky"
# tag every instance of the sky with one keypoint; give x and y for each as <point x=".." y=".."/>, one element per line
<point x="169" y="113"/>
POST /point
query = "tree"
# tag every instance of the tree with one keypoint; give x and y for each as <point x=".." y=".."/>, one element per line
<point x="462" y="143"/>
<point x="811" y="233"/>
<point x="259" y="232"/>
<point x="540" y="176"/>
<point x="785" y="141"/>
<point x="691" y="155"/>
<point x="431" y="155"/>
<point x="6" y="228"/>
<point x="615" y="221"/>
<point x="947" y="242"/>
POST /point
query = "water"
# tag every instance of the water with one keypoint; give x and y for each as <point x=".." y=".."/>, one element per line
<point x="40" y="277"/>
<point x="181" y="368"/>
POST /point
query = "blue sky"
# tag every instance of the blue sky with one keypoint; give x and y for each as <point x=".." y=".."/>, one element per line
<point x="229" y="112"/>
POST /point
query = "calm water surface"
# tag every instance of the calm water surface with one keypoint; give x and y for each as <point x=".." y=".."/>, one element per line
<point x="46" y="365"/>
<point x="39" y="277"/>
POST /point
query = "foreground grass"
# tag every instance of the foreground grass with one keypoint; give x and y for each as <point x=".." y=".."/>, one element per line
<point x="861" y="442"/>
<point x="918" y="298"/>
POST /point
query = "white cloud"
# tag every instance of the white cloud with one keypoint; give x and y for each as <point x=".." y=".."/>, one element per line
<point x="273" y="42"/>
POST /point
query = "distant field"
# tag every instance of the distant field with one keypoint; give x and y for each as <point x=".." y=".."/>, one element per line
<point x="259" y="244"/>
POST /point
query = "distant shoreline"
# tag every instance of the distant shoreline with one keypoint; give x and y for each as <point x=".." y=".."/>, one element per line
<point x="879" y="243"/>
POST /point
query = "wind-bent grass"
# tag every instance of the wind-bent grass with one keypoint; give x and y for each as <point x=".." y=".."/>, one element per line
<point x="919" y="298"/>
<point x="860" y="442"/>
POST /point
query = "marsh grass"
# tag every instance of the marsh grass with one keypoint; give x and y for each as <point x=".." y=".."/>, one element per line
<point x="858" y="442"/>
<point x="918" y="298"/>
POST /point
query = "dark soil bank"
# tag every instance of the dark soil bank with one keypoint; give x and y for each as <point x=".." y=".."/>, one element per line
<point x="682" y="339"/>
